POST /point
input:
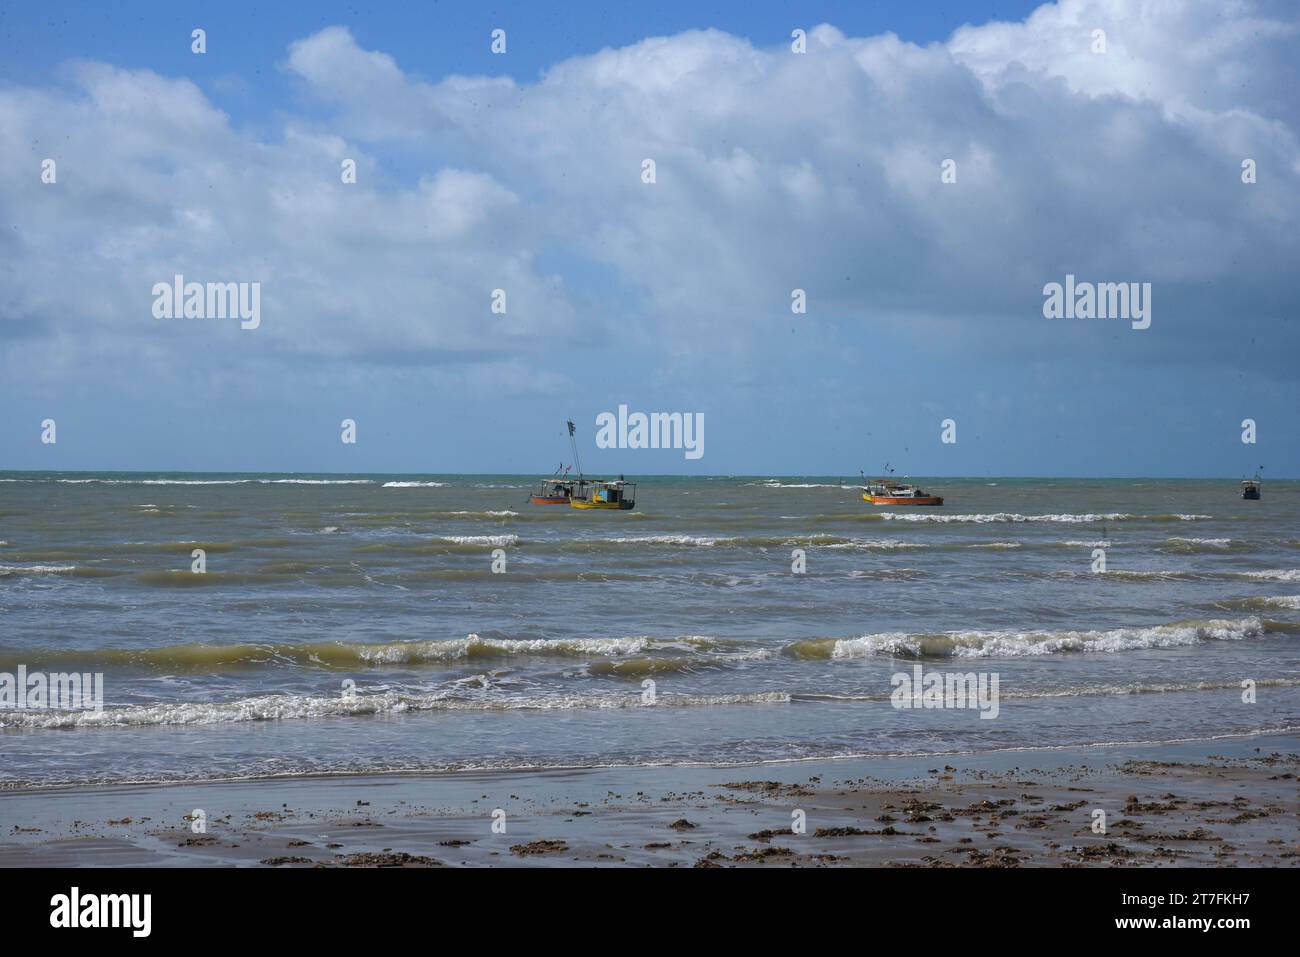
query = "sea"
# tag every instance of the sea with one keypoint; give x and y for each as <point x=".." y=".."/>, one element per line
<point x="345" y="624"/>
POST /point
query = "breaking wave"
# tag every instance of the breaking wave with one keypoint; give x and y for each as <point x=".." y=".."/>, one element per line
<point x="1021" y="644"/>
<point x="480" y="539"/>
<point x="339" y="654"/>
<point x="1287" y="602"/>
<point x="819" y="540"/>
<point x="1064" y="517"/>
<point x="36" y="569"/>
<point x="280" y="707"/>
<point x="1274" y="574"/>
<point x="773" y="483"/>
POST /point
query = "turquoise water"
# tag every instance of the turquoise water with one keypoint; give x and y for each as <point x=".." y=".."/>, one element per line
<point x="355" y="623"/>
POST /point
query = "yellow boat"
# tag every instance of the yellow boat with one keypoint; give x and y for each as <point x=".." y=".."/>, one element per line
<point x="619" y="496"/>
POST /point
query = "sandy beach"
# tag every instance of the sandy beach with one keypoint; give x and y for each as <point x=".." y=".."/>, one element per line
<point x="1222" y="803"/>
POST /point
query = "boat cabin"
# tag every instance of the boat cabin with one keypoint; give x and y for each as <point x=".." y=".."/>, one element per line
<point x="600" y="494"/>
<point x="552" y="492"/>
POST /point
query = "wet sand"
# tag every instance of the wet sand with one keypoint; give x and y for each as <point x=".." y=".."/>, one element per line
<point x="1225" y="803"/>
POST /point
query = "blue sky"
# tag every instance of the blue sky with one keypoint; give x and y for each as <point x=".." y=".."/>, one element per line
<point x="775" y="171"/>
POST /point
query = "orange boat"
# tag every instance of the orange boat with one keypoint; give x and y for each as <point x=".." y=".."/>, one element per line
<point x="888" y="492"/>
<point x="558" y="491"/>
<point x="553" y="492"/>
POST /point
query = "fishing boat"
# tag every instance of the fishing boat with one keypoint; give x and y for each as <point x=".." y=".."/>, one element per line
<point x="558" y="489"/>
<point x="582" y="492"/>
<point x="597" y="493"/>
<point x="886" y="491"/>
<point x="1250" y="489"/>
<point x="552" y="492"/>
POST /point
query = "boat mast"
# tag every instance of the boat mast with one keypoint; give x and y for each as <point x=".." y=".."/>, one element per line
<point x="573" y="444"/>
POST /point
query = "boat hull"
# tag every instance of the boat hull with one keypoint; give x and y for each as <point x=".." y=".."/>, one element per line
<point x="903" y="500"/>
<point x="609" y="506"/>
<point x="544" y="500"/>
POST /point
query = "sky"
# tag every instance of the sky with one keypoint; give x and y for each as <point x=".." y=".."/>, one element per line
<point x="774" y="171"/>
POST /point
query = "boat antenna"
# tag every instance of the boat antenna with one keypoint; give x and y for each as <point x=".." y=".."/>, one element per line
<point x="573" y="444"/>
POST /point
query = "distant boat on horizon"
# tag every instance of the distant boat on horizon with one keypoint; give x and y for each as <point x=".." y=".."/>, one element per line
<point x="1251" y="488"/>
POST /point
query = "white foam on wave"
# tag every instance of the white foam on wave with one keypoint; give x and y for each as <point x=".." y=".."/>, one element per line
<point x="154" y="481"/>
<point x="700" y="540"/>
<point x="1274" y="574"/>
<point x="36" y="569"/>
<point x="280" y="707"/>
<point x="295" y="481"/>
<point x="1022" y="644"/>
<point x="1064" y="517"/>
<point x="1291" y="602"/>
<point x="813" y="540"/>
<point x="474" y="646"/>
<point x="775" y="484"/>
<point x="868" y="544"/>
<point x="480" y="539"/>
<point x="414" y="484"/>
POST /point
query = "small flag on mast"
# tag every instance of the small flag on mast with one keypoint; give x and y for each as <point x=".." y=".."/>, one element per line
<point x="571" y="427"/>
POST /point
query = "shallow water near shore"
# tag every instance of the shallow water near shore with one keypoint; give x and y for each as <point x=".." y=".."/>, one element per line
<point x="1227" y="802"/>
<point x="354" y="623"/>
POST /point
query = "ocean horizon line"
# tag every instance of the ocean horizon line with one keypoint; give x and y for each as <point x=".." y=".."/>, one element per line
<point x="638" y="476"/>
